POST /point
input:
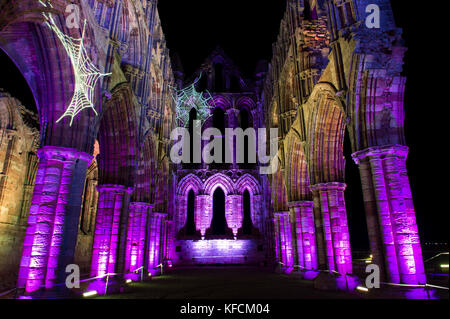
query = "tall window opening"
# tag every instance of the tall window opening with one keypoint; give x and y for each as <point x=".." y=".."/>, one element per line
<point x="190" y="220"/>
<point x="218" y="77"/>
<point x="350" y="15"/>
<point x="192" y="118"/>
<point x="247" y="223"/>
<point x="219" y="222"/>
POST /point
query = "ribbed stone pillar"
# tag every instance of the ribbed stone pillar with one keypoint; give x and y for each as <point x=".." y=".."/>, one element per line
<point x="203" y="213"/>
<point x="335" y="226"/>
<point x="373" y="225"/>
<point x="234" y="213"/>
<point x="395" y="210"/>
<point x="285" y="235"/>
<point x="51" y="235"/>
<point x="110" y="229"/>
<point x="156" y="244"/>
<point x="136" y="237"/>
<point x="320" y="235"/>
<point x="169" y="241"/>
<point x="304" y="243"/>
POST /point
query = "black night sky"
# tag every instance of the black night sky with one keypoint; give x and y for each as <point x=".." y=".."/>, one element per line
<point x="246" y="29"/>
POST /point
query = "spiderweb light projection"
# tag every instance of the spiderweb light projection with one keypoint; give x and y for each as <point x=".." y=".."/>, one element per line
<point x="189" y="98"/>
<point x="86" y="74"/>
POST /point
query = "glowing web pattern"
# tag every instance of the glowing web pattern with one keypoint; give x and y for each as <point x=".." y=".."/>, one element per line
<point x="189" y="98"/>
<point x="86" y="74"/>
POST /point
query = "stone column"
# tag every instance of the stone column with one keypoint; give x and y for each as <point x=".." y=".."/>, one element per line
<point x="305" y="251"/>
<point x="319" y="228"/>
<point x="169" y="243"/>
<point x="276" y="241"/>
<point x="388" y="184"/>
<point x="335" y="226"/>
<point x="156" y="244"/>
<point x="136" y="237"/>
<point x="203" y="213"/>
<point x="234" y="213"/>
<point x="285" y="235"/>
<point x="257" y="212"/>
<point x="51" y="235"/>
<point x="109" y="233"/>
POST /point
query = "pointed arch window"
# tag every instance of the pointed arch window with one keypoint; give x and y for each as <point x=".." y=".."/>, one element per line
<point x="219" y="222"/>
<point x="190" y="218"/>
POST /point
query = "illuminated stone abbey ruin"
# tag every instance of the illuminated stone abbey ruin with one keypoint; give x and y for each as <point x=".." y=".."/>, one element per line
<point x="102" y="192"/>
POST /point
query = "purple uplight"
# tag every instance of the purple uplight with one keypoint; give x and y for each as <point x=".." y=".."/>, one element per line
<point x="104" y="254"/>
<point x="396" y="215"/>
<point x="335" y="226"/>
<point x="136" y="236"/>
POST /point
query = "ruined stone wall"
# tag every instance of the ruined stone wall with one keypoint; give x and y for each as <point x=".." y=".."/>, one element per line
<point x="18" y="143"/>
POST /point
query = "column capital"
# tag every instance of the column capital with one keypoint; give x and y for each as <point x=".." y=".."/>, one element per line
<point x="380" y="151"/>
<point x="158" y="214"/>
<point x="304" y="203"/>
<point x="115" y="188"/>
<point x="328" y="186"/>
<point x="63" y="154"/>
<point x="142" y="204"/>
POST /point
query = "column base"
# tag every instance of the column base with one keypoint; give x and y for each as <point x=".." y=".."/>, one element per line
<point x="336" y="282"/>
<point x="115" y="286"/>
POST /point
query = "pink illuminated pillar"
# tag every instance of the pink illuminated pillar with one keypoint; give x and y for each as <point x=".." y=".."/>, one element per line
<point x="136" y="237"/>
<point x="335" y="226"/>
<point x="234" y="212"/>
<point x="285" y="235"/>
<point x="112" y="205"/>
<point x="203" y="213"/>
<point x="276" y="234"/>
<point x="52" y="230"/>
<point x="304" y="230"/>
<point x="402" y="252"/>
<point x="156" y="243"/>
<point x="169" y="240"/>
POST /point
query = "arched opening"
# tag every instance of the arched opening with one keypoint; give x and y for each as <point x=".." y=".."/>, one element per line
<point x="219" y="222"/>
<point x="190" y="220"/>
<point x="203" y="83"/>
<point x="218" y="77"/>
<point x="13" y="82"/>
<point x="219" y="119"/>
<point x="354" y="201"/>
<point x="247" y="223"/>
